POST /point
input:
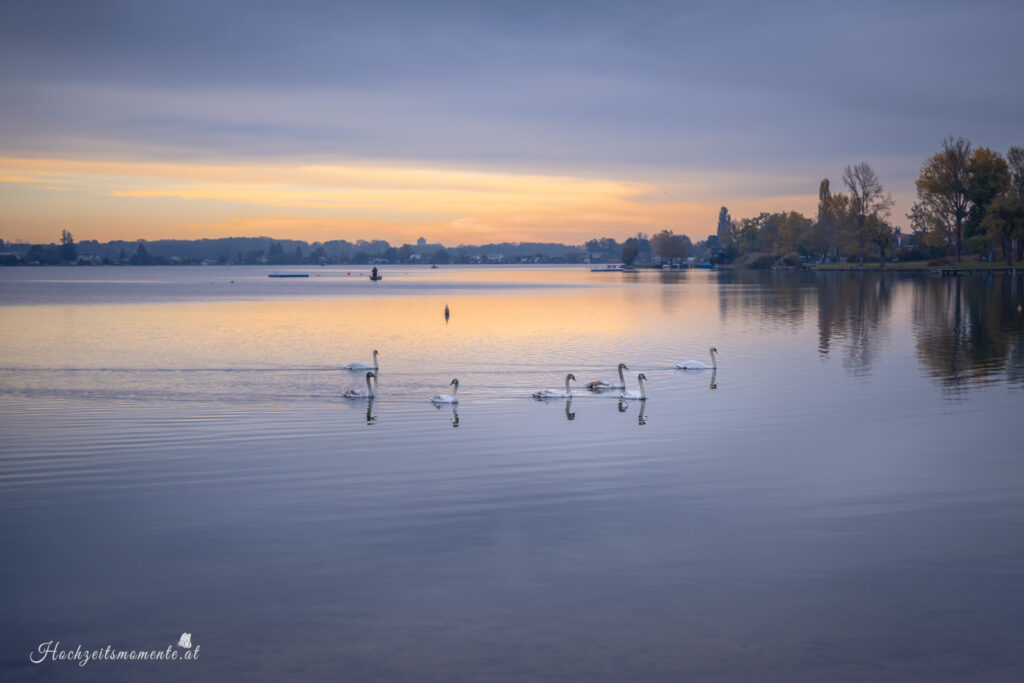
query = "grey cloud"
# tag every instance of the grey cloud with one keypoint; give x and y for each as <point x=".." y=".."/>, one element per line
<point x="803" y="88"/>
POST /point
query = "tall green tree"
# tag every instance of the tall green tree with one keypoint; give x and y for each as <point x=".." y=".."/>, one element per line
<point x="942" y="200"/>
<point x="141" y="257"/>
<point x="68" y="250"/>
<point x="1004" y="222"/>
<point x="630" y="251"/>
<point x="867" y="200"/>
<point x="725" y="225"/>
<point x="642" y="246"/>
<point x="1015" y="160"/>
<point x="828" y="223"/>
<point x="988" y="178"/>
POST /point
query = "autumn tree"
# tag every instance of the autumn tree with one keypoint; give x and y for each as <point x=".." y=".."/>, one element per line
<point x="748" y="234"/>
<point x="942" y="200"/>
<point x="879" y="233"/>
<point x="770" y="225"/>
<point x="667" y="244"/>
<point x="867" y="200"/>
<point x="795" y="234"/>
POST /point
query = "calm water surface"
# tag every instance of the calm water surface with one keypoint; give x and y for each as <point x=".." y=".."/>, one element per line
<point x="840" y="501"/>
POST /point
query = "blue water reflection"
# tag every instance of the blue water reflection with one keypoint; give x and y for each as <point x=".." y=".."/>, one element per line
<point x="839" y="500"/>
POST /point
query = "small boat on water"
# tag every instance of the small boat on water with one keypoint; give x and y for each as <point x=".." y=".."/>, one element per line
<point x="374" y="276"/>
<point x="288" y="275"/>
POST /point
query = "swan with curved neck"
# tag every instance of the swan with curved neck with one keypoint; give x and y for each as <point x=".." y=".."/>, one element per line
<point x="357" y="365"/>
<point x="554" y="393"/>
<point x="636" y="395"/>
<point x="601" y="385"/>
<point x="697" y="365"/>
<point x="362" y="393"/>
<point x="448" y="398"/>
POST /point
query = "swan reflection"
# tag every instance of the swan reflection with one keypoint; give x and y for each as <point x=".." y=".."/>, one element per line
<point x="370" y="417"/>
<point x="455" y="412"/>
<point x="641" y="418"/>
<point x="714" y="374"/>
<point x="569" y="414"/>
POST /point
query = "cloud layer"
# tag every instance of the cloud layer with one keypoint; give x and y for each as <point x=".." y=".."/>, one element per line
<point x="657" y="112"/>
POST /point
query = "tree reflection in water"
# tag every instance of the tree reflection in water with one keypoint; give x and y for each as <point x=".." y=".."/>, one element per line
<point x="853" y="308"/>
<point x="967" y="329"/>
<point x="970" y="329"/>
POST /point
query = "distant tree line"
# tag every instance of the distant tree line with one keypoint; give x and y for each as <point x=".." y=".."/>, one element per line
<point x="969" y="201"/>
<point x="268" y="251"/>
<point x="641" y="248"/>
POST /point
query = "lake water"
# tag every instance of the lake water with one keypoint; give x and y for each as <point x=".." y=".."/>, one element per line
<point x="842" y="500"/>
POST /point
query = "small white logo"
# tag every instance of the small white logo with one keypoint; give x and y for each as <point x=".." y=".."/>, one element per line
<point x="185" y="641"/>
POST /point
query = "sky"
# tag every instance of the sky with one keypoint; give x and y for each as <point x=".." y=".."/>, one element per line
<point x="473" y="122"/>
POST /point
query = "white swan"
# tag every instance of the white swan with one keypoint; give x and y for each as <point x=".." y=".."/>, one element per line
<point x="363" y="366"/>
<point x="697" y="365"/>
<point x="362" y="393"/>
<point x="636" y="395"/>
<point x="554" y="393"/>
<point x="601" y="385"/>
<point x="445" y="398"/>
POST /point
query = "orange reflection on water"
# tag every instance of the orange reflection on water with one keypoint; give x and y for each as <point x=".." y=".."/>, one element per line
<point x="505" y="323"/>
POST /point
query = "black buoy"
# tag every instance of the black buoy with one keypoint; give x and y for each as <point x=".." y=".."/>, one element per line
<point x="447" y="313"/>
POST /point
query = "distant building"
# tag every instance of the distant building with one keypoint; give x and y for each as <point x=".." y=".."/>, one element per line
<point x="901" y="239"/>
<point x="421" y="242"/>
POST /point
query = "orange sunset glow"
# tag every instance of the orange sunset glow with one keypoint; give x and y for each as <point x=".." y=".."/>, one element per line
<point x="127" y="200"/>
